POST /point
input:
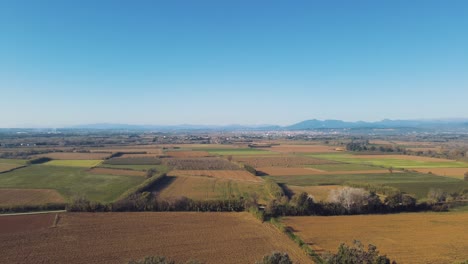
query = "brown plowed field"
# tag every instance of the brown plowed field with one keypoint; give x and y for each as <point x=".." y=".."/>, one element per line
<point x="458" y="173"/>
<point x="24" y="224"/>
<point x="187" y="154"/>
<point x="237" y="175"/>
<point x="407" y="238"/>
<point x="320" y="193"/>
<point x="119" y="237"/>
<point x="74" y="156"/>
<point x="29" y="197"/>
<point x="108" y="171"/>
<point x="303" y="149"/>
<point x="284" y="161"/>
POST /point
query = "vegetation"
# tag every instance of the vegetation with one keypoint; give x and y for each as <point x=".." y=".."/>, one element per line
<point x="73" y="163"/>
<point x="356" y="254"/>
<point x="200" y="164"/>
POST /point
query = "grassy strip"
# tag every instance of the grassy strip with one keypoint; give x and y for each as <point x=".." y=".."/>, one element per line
<point x="274" y="189"/>
<point x="308" y="250"/>
<point x="31" y="208"/>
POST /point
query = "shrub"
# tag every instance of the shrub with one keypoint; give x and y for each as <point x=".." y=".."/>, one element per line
<point x="276" y="258"/>
<point x="356" y="254"/>
<point x="39" y="160"/>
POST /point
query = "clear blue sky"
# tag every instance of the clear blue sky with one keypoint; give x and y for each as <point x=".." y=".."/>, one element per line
<point x="70" y="62"/>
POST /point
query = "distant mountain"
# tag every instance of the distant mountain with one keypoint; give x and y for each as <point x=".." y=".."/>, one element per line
<point x="107" y="126"/>
<point x="386" y="123"/>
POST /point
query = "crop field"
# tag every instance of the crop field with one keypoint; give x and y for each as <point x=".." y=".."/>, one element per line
<point x="134" y="155"/>
<point x="282" y="161"/>
<point x="199" y="164"/>
<point x="205" y="188"/>
<point x="343" y="167"/>
<point x="237" y="175"/>
<point x="74" y="156"/>
<point x="207" y="237"/>
<point x="395" y="161"/>
<point x="162" y="168"/>
<point x="406" y="238"/>
<point x="149" y="149"/>
<point x="303" y="149"/>
<point x="25" y="223"/>
<point x="69" y="182"/>
<point x="74" y="163"/>
<point x="187" y="154"/>
<point x="12" y="197"/>
<point x="239" y="152"/>
<point x="9" y="164"/>
<point x="109" y="171"/>
<point x="413" y="183"/>
<point x="448" y="172"/>
<point x="320" y="193"/>
<point x="133" y="161"/>
<point x="278" y="171"/>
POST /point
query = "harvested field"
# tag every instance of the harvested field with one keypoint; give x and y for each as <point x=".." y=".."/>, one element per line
<point x="199" y="164"/>
<point x="343" y="167"/>
<point x="282" y="161"/>
<point x="134" y="155"/>
<point x="278" y="171"/>
<point x="11" y="197"/>
<point x="207" y="237"/>
<point x="187" y="154"/>
<point x="149" y="149"/>
<point x="240" y="152"/>
<point x="406" y="238"/>
<point x="133" y="161"/>
<point x="74" y="163"/>
<point x="24" y="224"/>
<point x="134" y="167"/>
<point x="109" y="171"/>
<point x="238" y="175"/>
<point x="303" y="148"/>
<point x="320" y="193"/>
<point x="74" y="156"/>
<point x="205" y="188"/>
<point x="448" y="172"/>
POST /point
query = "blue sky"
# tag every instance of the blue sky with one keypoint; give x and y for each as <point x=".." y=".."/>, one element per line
<point x="230" y="62"/>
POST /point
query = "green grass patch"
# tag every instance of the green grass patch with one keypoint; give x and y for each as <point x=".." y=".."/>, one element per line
<point x="413" y="183"/>
<point x="383" y="161"/>
<point x="19" y="162"/>
<point x="239" y="152"/>
<point x="69" y="182"/>
<point x="74" y="163"/>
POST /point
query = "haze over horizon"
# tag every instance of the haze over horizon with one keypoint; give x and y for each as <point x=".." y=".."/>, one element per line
<point x="65" y="63"/>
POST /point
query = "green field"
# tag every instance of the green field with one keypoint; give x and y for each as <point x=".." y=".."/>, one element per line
<point x="160" y="168"/>
<point x="382" y="161"/>
<point x="74" y="163"/>
<point x="19" y="162"/>
<point x="343" y="167"/>
<point x="238" y="151"/>
<point x="69" y="182"/>
<point x="413" y="183"/>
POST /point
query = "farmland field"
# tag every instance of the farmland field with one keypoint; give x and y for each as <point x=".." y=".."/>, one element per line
<point x="9" y="164"/>
<point x="162" y="168"/>
<point x="109" y="171"/>
<point x="448" y="172"/>
<point x="205" y="188"/>
<point x="74" y="156"/>
<point x="199" y="164"/>
<point x="13" y="197"/>
<point x="133" y="161"/>
<point x="343" y="167"/>
<point x="413" y="183"/>
<point x="185" y="154"/>
<point x="238" y="175"/>
<point x="396" y="161"/>
<point x="69" y="182"/>
<point x="25" y="223"/>
<point x="406" y="238"/>
<point x="278" y="171"/>
<point x="207" y="237"/>
<point x="282" y="161"/>
<point x="73" y="163"/>
<point x="303" y="148"/>
<point x="239" y="152"/>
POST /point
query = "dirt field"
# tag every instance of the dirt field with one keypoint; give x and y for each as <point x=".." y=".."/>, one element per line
<point x="75" y="156"/>
<point x="303" y="149"/>
<point x="29" y="197"/>
<point x="24" y="224"/>
<point x="448" y="172"/>
<point x="282" y="161"/>
<point x="187" y="154"/>
<point x="108" y="171"/>
<point x="119" y="237"/>
<point x="406" y="238"/>
<point x="320" y="193"/>
<point x="277" y="171"/>
<point x="237" y="175"/>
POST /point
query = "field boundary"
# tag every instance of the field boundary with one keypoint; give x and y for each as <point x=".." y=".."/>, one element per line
<point x="13" y="169"/>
